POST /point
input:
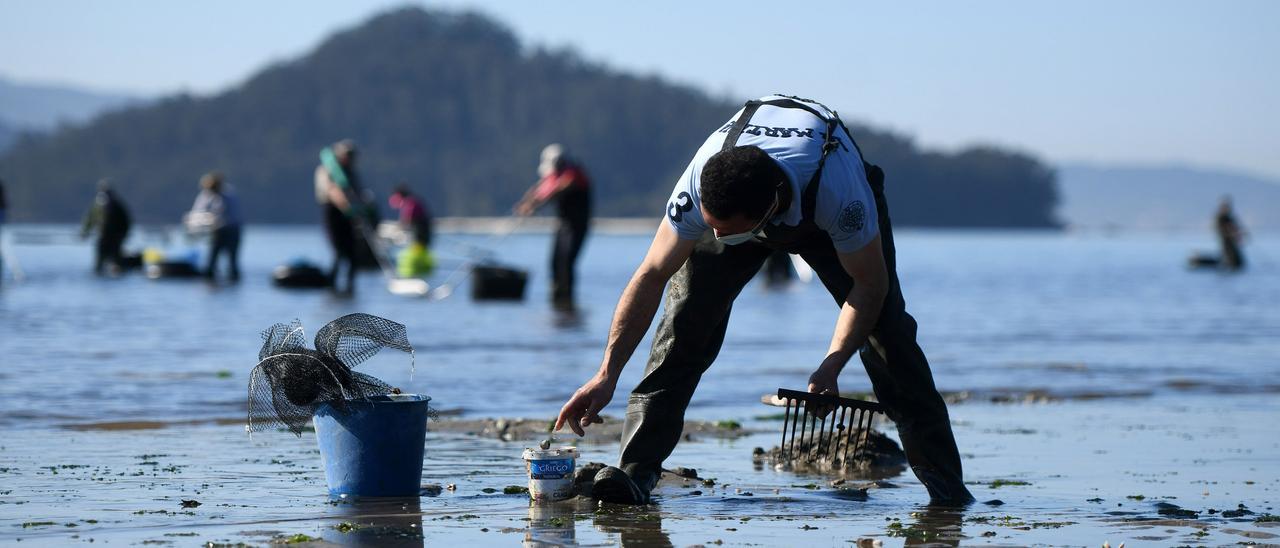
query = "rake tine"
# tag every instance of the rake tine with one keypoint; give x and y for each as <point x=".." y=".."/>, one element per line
<point x="817" y="441"/>
<point x="799" y="419"/>
<point x="831" y="434"/>
<point x="862" y="438"/>
<point x="835" y="433"/>
<point x="822" y="438"/>
<point x="848" y="436"/>
<point x="806" y="442"/>
<point x="844" y="429"/>
<point x="794" y="420"/>
<point x="786" y="419"/>
<point x="826" y="433"/>
<point x="858" y="433"/>
<point x="804" y="425"/>
<point x="837" y="427"/>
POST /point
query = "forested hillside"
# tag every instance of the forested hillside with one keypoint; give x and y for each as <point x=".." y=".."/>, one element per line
<point x="456" y="106"/>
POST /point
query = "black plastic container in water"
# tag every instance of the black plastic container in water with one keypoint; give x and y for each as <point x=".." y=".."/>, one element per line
<point x="172" y="269"/>
<point x="492" y="282"/>
<point x="300" y="275"/>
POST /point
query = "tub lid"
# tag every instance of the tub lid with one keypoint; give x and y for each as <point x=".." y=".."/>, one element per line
<point x="564" y="451"/>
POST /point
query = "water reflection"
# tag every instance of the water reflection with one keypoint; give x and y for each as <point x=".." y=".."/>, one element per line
<point x="392" y="522"/>
<point x="550" y="524"/>
<point x="568" y="316"/>
<point x="934" y="526"/>
<point x="635" y="526"/>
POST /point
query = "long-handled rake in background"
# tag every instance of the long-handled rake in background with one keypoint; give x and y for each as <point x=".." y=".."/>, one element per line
<point x="808" y="438"/>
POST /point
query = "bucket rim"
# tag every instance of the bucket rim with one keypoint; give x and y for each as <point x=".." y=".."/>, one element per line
<point x="387" y="398"/>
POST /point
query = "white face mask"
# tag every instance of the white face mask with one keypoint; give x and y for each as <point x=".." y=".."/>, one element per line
<point x="743" y="237"/>
<point x="740" y="238"/>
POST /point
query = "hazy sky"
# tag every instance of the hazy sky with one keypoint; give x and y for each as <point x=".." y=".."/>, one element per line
<point x="1131" y="81"/>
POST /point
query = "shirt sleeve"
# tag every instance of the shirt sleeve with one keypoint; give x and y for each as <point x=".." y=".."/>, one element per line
<point x="846" y="207"/>
<point x="684" y="207"/>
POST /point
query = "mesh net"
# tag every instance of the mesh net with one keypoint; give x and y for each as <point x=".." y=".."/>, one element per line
<point x="291" y="380"/>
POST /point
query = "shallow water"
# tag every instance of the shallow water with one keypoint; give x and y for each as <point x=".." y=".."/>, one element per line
<point x="1157" y="381"/>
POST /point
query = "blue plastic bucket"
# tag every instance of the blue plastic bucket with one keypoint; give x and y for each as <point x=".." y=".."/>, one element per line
<point x="373" y="447"/>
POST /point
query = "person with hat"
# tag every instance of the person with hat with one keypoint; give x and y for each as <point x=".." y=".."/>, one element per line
<point x="563" y="180"/>
<point x="217" y="211"/>
<point x="338" y="191"/>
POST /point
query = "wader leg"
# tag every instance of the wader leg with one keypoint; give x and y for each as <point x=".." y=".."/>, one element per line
<point x="100" y="254"/>
<point x="689" y="335"/>
<point x="109" y="251"/>
<point x="233" y="252"/>
<point x="216" y="244"/>
<point x="900" y="374"/>
<point x="569" y="238"/>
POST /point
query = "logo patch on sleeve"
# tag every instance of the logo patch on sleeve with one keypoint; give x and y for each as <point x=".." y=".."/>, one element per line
<point x="853" y="217"/>
<point x="682" y="204"/>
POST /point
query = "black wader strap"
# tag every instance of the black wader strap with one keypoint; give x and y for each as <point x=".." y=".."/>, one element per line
<point x="809" y="200"/>
<point x="735" y="130"/>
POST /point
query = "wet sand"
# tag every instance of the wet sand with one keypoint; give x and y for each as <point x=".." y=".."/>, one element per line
<point x="1056" y="473"/>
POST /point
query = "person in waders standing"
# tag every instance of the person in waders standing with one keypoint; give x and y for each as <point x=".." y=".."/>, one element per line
<point x="563" y="180"/>
<point x="111" y="219"/>
<point x="337" y="191"/>
<point x="3" y="207"/>
<point x="217" y="212"/>
<point x="1230" y="235"/>
<point x="783" y="173"/>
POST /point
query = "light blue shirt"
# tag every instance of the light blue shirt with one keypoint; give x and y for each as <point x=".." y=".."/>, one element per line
<point x="224" y="206"/>
<point x="845" y="207"/>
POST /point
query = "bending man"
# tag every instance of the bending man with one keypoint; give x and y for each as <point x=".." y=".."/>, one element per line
<point x="783" y="174"/>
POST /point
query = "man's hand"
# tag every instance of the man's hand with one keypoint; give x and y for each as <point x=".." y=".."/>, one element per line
<point x="584" y="407"/>
<point x="825" y="381"/>
<point x="524" y="209"/>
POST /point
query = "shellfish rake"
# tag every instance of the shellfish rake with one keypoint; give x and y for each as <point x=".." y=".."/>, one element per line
<point x="822" y="427"/>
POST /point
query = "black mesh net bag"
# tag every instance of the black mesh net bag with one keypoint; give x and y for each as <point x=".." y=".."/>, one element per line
<point x="291" y="380"/>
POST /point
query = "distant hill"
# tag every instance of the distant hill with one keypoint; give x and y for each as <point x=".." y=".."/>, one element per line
<point x="454" y="104"/>
<point x="8" y="135"/>
<point x="44" y="107"/>
<point x="1164" y="198"/>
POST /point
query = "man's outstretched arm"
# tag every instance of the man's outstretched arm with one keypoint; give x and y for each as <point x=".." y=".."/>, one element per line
<point x="858" y="314"/>
<point x="636" y="307"/>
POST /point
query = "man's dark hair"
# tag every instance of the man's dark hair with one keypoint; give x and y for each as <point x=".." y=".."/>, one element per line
<point x="740" y="181"/>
